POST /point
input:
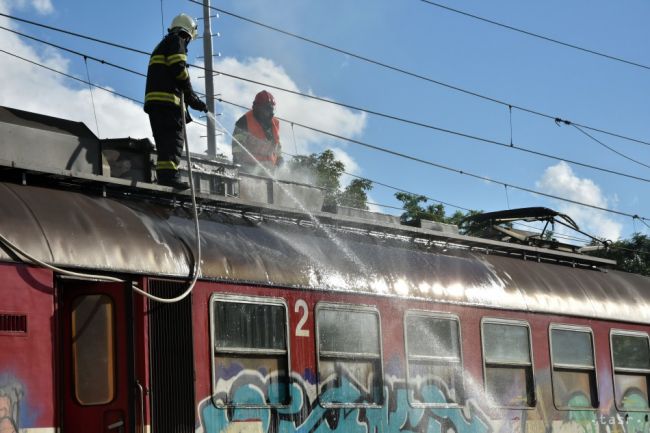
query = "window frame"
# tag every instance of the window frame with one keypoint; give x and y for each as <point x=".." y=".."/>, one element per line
<point x="254" y="300"/>
<point x="353" y="308"/>
<point x="575" y="328"/>
<point x="631" y="333"/>
<point x="112" y="339"/>
<point x="510" y="322"/>
<point x="438" y="315"/>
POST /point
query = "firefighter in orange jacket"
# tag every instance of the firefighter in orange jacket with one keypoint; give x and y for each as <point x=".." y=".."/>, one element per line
<point x="167" y="77"/>
<point x="259" y="133"/>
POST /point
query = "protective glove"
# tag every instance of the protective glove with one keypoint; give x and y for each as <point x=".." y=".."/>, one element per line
<point x="196" y="103"/>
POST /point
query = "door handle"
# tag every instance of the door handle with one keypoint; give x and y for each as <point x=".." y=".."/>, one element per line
<point x="116" y="425"/>
<point x="141" y="392"/>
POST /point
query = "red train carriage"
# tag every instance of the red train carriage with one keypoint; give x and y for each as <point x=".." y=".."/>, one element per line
<point x="345" y="325"/>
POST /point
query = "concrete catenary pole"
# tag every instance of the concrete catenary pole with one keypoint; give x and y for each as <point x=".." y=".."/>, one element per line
<point x="209" y="78"/>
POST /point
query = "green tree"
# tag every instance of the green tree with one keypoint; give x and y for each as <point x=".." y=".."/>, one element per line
<point x="414" y="212"/>
<point x="325" y="171"/>
<point x="631" y="255"/>
<point x="355" y="194"/>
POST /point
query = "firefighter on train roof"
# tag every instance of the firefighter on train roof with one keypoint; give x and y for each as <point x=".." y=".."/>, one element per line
<point x="167" y="77"/>
<point x="256" y="139"/>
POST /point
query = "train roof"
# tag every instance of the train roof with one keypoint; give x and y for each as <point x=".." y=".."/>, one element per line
<point x="81" y="219"/>
<point x="134" y="236"/>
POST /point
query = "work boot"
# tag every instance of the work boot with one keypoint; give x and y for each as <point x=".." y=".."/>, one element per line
<point x="171" y="178"/>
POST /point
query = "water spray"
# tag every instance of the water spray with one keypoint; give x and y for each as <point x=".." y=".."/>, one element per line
<point x="318" y="224"/>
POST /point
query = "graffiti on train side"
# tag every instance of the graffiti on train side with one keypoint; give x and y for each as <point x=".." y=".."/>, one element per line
<point x="11" y="394"/>
<point x="308" y="416"/>
<point x="304" y="414"/>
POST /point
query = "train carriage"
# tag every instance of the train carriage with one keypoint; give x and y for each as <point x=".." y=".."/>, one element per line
<point x="298" y="322"/>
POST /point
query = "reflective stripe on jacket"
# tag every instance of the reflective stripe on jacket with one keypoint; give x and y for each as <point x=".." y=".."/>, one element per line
<point x="167" y="75"/>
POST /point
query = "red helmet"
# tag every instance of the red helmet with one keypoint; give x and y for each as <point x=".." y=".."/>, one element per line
<point x="263" y="98"/>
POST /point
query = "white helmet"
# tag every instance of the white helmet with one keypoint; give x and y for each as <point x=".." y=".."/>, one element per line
<point x="185" y="23"/>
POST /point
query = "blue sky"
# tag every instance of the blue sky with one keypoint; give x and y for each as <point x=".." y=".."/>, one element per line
<point x="409" y="34"/>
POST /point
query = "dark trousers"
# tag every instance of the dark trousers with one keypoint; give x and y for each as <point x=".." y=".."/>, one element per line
<point x="167" y="128"/>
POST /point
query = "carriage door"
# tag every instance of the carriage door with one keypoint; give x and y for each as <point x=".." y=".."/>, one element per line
<point x="95" y="356"/>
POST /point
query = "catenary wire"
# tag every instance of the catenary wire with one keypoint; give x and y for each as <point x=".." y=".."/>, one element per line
<point x="71" y="76"/>
<point x="78" y="35"/>
<point x="436" y="128"/>
<point x="422" y="77"/>
<point x="376" y="182"/>
<point x="466" y="173"/>
<point x="535" y="35"/>
<point x="412" y="158"/>
<point x="634" y="217"/>
<point x="103" y="62"/>
<point x="92" y="98"/>
<point x="609" y="147"/>
<point x="481" y="139"/>
<point x="521" y="108"/>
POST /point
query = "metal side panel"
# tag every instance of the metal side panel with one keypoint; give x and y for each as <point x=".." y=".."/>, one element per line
<point x="43" y="140"/>
<point x="20" y="226"/>
<point x="92" y="232"/>
<point x="171" y="360"/>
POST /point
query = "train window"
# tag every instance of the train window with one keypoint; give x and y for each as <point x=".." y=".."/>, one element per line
<point x="249" y="337"/>
<point x="631" y="360"/>
<point x="349" y="355"/>
<point x="507" y="363"/>
<point x="435" y="368"/>
<point x="93" y="349"/>
<point x="574" y="368"/>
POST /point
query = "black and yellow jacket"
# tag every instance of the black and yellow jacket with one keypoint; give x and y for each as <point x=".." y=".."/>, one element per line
<point x="167" y="75"/>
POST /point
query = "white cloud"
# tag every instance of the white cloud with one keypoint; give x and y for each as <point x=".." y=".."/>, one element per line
<point x="43" y="7"/>
<point x="29" y="87"/>
<point x="560" y="180"/>
<point x="319" y="115"/>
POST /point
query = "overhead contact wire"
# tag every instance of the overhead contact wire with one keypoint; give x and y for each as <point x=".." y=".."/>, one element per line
<point x="435" y="128"/>
<point x="478" y="95"/>
<point x="455" y="170"/>
<point x="418" y="76"/>
<point x="609" y="147"/>
<point x="536" y="35"/>
<point x="72" y="77"/>
<point x="494" y="142"/>
<point x="423" y="161"/>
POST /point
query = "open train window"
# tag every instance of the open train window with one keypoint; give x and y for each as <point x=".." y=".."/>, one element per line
<point x="93" y="349"/>
<point x="574" y="367"/>
<point x="507" y="363"/>
<point x="250" y="362"/>
<point x="433" y="355"/>
<point x="349" y="356"/>
<point x="631" y="360"/>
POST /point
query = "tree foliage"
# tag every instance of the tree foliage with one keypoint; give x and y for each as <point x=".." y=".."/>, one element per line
<point x="631" y="255"/>
<point x="414" y="212"/>
<point x="326" y="172"/>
